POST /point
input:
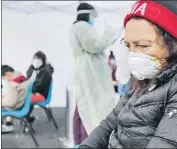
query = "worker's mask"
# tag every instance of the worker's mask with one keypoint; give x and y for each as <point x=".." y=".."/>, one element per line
<point x="91" y="20"/>
<point x="37" y="63"/>
<point x="143" y="66"/>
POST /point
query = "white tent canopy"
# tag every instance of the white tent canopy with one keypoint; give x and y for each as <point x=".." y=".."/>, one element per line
<point x="29" y="26"/>
<point x="65" y="6"/>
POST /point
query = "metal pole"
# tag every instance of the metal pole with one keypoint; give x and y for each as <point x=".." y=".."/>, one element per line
<point x="68" y="141"/>
<point x="67" y="115"/>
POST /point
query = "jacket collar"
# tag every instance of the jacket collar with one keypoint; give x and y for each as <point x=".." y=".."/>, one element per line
<point x="167" y="74"/>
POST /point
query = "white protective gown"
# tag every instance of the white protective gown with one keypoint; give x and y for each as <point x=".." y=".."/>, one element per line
<point x="121" y="54"/>
<point x="92" y="76"/>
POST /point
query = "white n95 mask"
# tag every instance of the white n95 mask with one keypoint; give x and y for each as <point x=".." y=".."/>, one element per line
<point x="143" y="66"/>
<point x="37" y="63"/>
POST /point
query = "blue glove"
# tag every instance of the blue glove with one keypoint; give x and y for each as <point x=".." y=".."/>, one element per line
<point x="122" y="90"/>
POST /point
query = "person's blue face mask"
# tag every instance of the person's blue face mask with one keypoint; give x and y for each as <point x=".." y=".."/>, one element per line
<point x="91" y="21"/>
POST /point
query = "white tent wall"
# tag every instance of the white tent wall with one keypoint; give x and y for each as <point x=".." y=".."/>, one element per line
<point x="23" y="34"/>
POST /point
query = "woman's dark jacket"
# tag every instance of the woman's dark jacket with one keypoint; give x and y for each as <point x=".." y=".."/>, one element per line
<point x="148" y="121"/>
<point x="43" y="78"/>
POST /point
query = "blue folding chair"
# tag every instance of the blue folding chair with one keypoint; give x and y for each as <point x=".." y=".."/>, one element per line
<point x="45" y="105"/>
<point x="22" y="114"/>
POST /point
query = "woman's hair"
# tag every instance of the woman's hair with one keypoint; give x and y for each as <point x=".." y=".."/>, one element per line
<point x="85" y="16"/>
<point x="171" y="42"/>
<point x="41" y="56"/>
<point x="111" y="55"/>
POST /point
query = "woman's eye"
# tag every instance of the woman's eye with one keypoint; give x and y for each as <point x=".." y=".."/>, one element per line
<point x="143" y="46"/>
<point x="127" y="45"/>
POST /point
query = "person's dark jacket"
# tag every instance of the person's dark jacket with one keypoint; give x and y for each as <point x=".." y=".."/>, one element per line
<point x="113" y="67"/>
<point x="149" y="121"/>
<point x="42" y="82"/>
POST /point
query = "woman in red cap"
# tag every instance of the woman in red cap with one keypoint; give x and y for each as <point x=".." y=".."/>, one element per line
<point x="147" y="116"/>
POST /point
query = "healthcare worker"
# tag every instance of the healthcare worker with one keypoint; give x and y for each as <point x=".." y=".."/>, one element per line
<point x="94" y="92"/>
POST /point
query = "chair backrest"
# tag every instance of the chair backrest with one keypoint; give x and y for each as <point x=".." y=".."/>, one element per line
<point x="24" y="110"/>
<point x="27" y="105"/>
<point x="49" y="97"/>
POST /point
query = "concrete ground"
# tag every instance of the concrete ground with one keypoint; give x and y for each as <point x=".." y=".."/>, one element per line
<point x="46" y="134"/>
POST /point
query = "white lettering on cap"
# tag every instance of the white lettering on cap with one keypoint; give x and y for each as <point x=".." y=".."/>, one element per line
<point x="133" y="8"/>
<point x="141" y="8"/>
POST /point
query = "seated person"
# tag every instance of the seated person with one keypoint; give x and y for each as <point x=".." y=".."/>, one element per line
<point x="14" y="90"/>
<point x="113" y="66"/>
<point x="41" y="74"/>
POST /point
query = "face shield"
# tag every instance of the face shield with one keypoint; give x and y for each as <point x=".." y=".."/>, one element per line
<point x="93" y="13"/>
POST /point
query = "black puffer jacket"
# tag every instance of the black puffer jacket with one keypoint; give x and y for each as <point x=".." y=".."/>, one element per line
<point x="42" y="82"/>
<point x="149" y="121"/>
